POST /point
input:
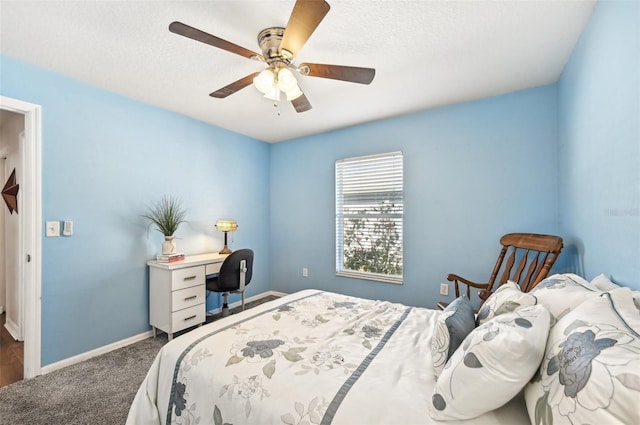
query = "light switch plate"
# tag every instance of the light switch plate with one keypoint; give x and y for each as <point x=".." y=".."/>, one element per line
<point x="53" y="229"/>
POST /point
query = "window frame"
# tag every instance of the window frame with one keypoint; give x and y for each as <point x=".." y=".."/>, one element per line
<point x="394" y="186"/>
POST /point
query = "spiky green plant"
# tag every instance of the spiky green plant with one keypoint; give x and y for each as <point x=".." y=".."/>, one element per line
<point x="166" y="214"/>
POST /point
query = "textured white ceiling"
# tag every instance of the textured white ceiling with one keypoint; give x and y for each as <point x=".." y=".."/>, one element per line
<point x="426" y="54"/>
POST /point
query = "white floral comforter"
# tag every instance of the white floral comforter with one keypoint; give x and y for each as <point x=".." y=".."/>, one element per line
<point x="308" y="358"/>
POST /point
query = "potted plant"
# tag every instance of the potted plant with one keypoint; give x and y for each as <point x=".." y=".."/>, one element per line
<point x="167" y="214"/>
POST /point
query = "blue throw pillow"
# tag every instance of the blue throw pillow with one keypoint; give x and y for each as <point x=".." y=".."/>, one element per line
<point x="452" y="327"/>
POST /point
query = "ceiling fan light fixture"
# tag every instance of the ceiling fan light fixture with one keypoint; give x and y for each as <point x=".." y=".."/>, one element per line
<point x="288" y="84"/>
<point x="286" y="80"/>
<point x="264" y="81"/>
<point x="294" y="93"/>
<point x="273" y="81"/>
<point x="273" y="94"/>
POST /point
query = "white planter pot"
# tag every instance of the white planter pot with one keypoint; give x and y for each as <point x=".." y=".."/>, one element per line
<point x="168" y="246"/>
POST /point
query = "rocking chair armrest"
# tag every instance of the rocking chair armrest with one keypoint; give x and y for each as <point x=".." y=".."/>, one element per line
<point x="459" y="279"/>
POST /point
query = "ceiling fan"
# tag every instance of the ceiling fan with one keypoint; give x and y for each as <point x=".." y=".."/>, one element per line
<point x="279" y="46"/>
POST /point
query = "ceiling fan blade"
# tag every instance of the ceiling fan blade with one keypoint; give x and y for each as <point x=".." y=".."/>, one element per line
<point x="206" y="38"/>
<point x="234" y="87"/>
<point x="352" y="74"/>
<point x="304" y="19"/>
<point x="301" y="104"/>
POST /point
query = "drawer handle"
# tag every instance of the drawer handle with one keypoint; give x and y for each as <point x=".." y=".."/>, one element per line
<point x="186" y="319"/>
<point x="190" y="277"/>
<point x="191" y="298"/>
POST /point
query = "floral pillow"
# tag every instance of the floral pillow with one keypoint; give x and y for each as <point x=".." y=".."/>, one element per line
<point x="561" y="293"/>
<point x="508" y="297"/>
<point x="590" y="372"/>
<point x="452" y="327"/>
<point x="492" y="365"/>
<point x="603" y="283"/>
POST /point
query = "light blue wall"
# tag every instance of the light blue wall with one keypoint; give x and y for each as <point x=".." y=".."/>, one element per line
<point x="599" y="144"/>
<point x="472" y="173"/>
<point x="105" y="158"/>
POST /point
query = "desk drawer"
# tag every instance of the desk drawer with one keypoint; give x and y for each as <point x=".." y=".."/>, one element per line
<point x="189" y="297"/>
<point x="188" y="317"/>
<point x="186" y="278"/>
<point x="213" y="268"/>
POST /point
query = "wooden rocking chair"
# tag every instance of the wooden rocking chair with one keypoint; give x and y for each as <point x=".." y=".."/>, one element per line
<point x="534" y="253"/>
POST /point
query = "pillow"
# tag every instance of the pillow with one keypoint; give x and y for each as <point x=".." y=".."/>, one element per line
<point x="506" y="298"/>
<point x="452" y="326"/>
<point x="492" y="365"/>
<point x="603" y="283"/>
<point x="561" y="293"/>
<point x="590" y="372"/>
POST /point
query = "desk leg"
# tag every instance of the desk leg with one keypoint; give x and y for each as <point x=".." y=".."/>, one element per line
<point x="169" y="336"/>
<point x="155" y="332"/>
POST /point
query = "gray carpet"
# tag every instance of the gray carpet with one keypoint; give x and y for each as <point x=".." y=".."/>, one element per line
<point x="97" y="391"/>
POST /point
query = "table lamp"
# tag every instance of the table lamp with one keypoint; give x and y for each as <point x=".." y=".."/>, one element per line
<point x="226" y="226"/>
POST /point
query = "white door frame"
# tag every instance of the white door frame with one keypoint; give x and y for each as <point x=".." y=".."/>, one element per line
<point x="3" y="250"/>
<point x="31" y="222"/>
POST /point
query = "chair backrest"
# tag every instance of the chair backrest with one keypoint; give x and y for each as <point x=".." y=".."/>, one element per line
<point x="230" y="271"/>
<point x="525" y="258"/>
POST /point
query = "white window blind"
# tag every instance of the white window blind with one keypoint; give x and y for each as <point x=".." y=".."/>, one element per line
<point x="369" y="211"/>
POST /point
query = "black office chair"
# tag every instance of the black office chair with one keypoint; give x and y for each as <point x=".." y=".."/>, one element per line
<point x="235" y="274"/>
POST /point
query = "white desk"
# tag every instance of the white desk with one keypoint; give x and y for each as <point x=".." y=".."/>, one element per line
<point x="177" y="292"/>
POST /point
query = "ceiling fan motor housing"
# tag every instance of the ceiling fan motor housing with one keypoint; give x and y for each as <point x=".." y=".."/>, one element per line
<point x="269" y="41"/>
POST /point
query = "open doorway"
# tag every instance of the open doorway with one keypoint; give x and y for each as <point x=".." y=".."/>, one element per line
<point x="11" y="296"/>
<point x="26" y="252"/>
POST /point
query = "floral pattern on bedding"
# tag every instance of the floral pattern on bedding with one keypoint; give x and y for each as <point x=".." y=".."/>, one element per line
<point x="590" y="370"/>
<point x="257" y="362"/>
<point x="305" y="414"/>
<point x="492" y="365"/>
<point x="190" y="362"/>
<point x="324" y="360"/>
<point x="561" y="293"/>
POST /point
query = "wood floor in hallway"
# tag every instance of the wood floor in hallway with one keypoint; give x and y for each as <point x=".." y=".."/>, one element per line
<point x="11" y="356"/>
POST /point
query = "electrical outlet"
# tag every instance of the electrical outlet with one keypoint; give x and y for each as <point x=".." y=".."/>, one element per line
<point x="444" y="289"/>
<point x="305" y="272"/>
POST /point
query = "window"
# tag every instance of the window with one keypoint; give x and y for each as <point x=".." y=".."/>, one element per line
<point x="369" y="209"/>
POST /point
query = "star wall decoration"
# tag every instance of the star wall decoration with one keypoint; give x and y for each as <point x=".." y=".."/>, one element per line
<point x="10" y="193"/>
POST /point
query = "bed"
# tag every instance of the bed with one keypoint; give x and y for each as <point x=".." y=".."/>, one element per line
<point x="317" y="357"/>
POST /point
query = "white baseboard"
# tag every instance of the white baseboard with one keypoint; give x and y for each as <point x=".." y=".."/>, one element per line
<point x="12" y="328"/>
<point x="277" y="293"/>
<point x="96" y="352"/>
<point x="136" y="338"/>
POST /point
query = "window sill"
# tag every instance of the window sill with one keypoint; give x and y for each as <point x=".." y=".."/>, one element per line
<point x="397" y="280"/>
